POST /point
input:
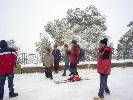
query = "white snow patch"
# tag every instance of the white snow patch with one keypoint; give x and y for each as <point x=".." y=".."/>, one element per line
<point x="36" y="87"/>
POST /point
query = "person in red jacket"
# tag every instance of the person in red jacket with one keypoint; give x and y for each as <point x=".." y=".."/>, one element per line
<point x="74" y="54"/>
<point x="7" y="61"/>
<point x="103" y="67"/>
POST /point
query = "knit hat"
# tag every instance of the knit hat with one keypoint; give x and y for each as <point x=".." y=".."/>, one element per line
<point x="104" y="41"/>
<point x="66" y="45"/>
<point x="3" y="44"/>
<point x="74" y="42"/>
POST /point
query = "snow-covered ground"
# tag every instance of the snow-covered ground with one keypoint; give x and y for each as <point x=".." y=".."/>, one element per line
<point x="87" y="62"/>
<point x="36" y="87"/>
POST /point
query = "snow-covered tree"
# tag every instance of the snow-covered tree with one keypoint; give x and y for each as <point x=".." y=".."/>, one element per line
<point x="12" y="44"/>
<point x="58" y="30"/>
<point x="87" y="26"/>
<point x="125" y="44"/>
<point x="45" y="41"/>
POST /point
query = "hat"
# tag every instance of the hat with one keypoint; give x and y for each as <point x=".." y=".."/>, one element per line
<point x="66" y="45"/>
<point x="3" y="44"/>
<point x="74" y="42"/>
<point x="104" y="41"/>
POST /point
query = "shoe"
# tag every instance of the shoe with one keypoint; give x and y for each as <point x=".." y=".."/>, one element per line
<point x="56" y="72"/>
<point x="11" y="95"/>
<point x="64" y="74"/>
<point x="98" y="98"/>
<point x="47" y="76"/>
<point x="51" y="78"/>
<point x="108" y="92"/>
<point x="70" y="74"/>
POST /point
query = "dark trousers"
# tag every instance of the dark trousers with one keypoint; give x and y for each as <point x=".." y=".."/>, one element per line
<point x="10" y="84"/>
<point x="73" y="68"/>
<point x="56" y="65"/>
<point x="48" y="72"/>
<point x="103" y="85"/>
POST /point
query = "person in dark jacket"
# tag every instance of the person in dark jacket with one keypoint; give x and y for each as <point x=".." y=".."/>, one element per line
<point x="7" y="61"/>
<point x="74" y="55"/>
<point x="57" y="57"/>
<point x="66" y="59"/>
<point x="103" y="67"/>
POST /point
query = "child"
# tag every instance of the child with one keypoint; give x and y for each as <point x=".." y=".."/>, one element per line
<point x="48" y="62"/>
<point x="57" y="57"/>
<point x="66" y="59"/>
<point x="74" y="54"/>
<point x="103" y="67"/>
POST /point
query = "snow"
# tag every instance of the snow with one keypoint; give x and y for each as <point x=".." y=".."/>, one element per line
<point x="122" y="60"/>
<point x="36" y="87"/>
<point x="32" y="65"/>
<point x="87" y="62"/>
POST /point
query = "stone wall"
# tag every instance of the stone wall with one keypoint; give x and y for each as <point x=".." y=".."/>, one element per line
<point x="83" y="66"/>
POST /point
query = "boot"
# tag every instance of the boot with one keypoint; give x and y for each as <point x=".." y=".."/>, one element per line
<point x="98" y="98"/>
<point x="51" y="78"/>
<point x="13" y="95"/>
<point x="107" y="91"/>
<point x="64" y="74"/>
<point x="1" y="98"/>
<point x="50" y="75"/>
<point x="56" y="71"/>
<point x="46" y="74"/>
<point x="70" y="74"/>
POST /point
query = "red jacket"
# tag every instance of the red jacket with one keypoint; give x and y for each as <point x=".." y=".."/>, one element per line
<point x="104" y="60"/>
<point x="74" y="53"/>
<point x="7" y="61"/>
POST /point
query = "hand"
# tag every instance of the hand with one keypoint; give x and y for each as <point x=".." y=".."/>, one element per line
<point x="43" y="64"/>
<point x="76" y="61"/>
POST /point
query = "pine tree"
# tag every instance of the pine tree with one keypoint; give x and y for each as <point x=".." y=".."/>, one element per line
<point x="125" y="44"/>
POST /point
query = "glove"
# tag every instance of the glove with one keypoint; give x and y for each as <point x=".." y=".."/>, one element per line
<point x="11" y="76"/>
<point x="76" y="61"/>
<point x="43" y="64"/>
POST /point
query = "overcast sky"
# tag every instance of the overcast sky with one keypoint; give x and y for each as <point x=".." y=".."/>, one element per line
<point x="23" y="20"/>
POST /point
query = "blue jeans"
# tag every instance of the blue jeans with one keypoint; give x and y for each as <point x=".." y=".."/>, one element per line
<point x="66" y="66"/>
<point x="103" y="85"/>
<point x="10" y="84"/>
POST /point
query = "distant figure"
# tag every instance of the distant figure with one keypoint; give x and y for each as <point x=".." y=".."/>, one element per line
<point x="103" y="67"/>
<point x="74" y="55"/>
<point x="7" y="62"/>
<point x="66" y="59"/>
<point x="57" y="57"/>
<point x="48" y="63"/>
